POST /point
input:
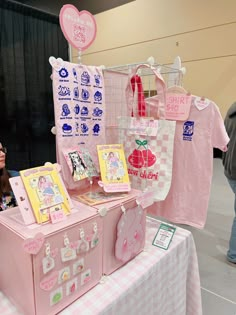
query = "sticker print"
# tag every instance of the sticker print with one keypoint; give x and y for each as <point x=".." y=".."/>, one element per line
<point x="97" y="79"/>
<point x="63" y="73"/>
<point x="74" y="73"/>
<point x="67" y="128"/>
<point x="85" y="78"/>
<point x="188" y="130"/>
<point x="97" y="112"/>
<point x="85" y="95"/>
<point x="63" y="90"/>
<point x="77" y="127"/>
<point x="76" y="92"/>
<point x="84" y="111"/>
<point x="65" y="110"/>
<point x="98" y="96"/>
<point x="84" y="128"/>
<point x="96" y="129"/>
<point x="77" y="109"/>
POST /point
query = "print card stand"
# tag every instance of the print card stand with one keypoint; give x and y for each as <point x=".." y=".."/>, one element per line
<point x="113" y="167"/>
<point x="45" y="192"/>
<point x="22" y="200"/>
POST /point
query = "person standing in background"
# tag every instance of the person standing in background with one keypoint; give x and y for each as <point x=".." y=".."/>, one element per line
<point x="7" y="199"/>
<point x="229" y="163"/>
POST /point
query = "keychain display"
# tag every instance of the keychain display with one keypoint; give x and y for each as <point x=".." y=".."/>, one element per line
<point x="83" y="245"/>
<point x="48" y="260"/>
<point x="67" y="253"/>
<point x="95" y="239"/>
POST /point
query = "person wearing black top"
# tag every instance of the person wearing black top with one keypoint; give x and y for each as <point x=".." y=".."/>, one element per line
<point x="7" y="199"/>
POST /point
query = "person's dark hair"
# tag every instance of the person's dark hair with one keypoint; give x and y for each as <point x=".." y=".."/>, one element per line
<point x="5" y="187"/>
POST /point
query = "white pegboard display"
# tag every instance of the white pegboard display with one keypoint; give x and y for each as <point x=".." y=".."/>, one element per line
<point x="142" y="129"/>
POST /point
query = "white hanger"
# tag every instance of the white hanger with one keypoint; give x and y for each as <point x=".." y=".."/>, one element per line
<point x="175" y="77"/>
<point x="176" y="89"/>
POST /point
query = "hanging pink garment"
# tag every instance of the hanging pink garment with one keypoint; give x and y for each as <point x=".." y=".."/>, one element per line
<point x="187" y="200"/>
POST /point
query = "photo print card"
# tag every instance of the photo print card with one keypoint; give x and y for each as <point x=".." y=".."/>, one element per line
<point x="76" y="163"/>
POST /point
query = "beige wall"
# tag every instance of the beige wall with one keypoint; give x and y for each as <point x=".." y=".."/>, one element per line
<point x="201" y="32"/>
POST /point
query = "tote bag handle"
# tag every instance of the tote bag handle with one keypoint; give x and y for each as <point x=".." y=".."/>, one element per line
<point x="131" y="95"/>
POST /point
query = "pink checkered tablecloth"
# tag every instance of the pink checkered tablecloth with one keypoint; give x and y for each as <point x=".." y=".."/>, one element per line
<point x="154" y="282"/>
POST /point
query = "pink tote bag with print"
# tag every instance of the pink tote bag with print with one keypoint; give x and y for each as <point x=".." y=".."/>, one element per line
<point x="148" y="141"/>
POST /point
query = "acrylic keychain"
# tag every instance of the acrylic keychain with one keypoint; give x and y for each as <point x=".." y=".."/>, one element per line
<point x="83" y="245"/>
<point x="48" y="261"/>
<point x="95" y="239"/>
<point x="67" y="253"/>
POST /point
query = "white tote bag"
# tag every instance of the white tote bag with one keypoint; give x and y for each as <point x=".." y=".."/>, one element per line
<point x="148" y="141"/>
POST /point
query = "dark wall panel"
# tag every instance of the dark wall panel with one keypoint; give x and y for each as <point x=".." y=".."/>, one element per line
<point x="93" y="6"/>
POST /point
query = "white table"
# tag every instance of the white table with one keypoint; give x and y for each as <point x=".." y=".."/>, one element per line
<point x="155" y="282"/>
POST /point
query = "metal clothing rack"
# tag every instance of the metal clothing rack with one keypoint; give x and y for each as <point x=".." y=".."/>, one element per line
<point x="115" y="82"/>
<point x="166" y="71"/>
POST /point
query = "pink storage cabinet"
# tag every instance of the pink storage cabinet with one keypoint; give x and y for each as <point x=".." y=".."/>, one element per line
<point x="21" y="273"/>
<point x="112" y="212"/>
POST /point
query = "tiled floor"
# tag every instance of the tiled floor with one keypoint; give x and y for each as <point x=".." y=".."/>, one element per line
<point x="218" y="277"/>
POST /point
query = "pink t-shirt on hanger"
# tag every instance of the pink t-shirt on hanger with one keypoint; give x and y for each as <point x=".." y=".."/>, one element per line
<point x="187" y="200"/>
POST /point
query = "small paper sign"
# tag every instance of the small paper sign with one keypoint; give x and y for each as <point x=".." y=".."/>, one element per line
<point x="164" y="236"/>
<point x="33" y="245"/>
<point x="79" y="28"/>
<point x="145" y="127"/>
<point x="48" y="283"/>
<point x="177" y="106"/>
<point x="57" y="216"/>
<point x="201" y="103"/>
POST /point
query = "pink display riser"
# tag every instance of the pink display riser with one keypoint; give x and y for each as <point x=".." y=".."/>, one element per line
<point x="111" y="219"/>
<point x="21" y="273"/>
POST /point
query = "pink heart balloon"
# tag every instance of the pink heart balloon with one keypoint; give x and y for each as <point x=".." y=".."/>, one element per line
<point x="33" y="245"/>
<point x="79" y="28"/>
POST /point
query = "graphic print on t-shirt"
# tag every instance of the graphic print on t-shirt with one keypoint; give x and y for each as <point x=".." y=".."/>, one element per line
<point x="188" y="130"/>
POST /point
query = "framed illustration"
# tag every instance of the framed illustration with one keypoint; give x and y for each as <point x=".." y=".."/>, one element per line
<point x="45" y="191"/>
<point x="113" y="168"/>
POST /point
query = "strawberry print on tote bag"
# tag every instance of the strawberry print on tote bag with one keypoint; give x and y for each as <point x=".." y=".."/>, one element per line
<point x="148" y="141"/>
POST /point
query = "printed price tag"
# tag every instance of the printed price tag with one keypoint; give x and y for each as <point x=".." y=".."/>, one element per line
<point x="177" y="106"/>
<point x="57" y="216"/>
<point x="164" y="236"/>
